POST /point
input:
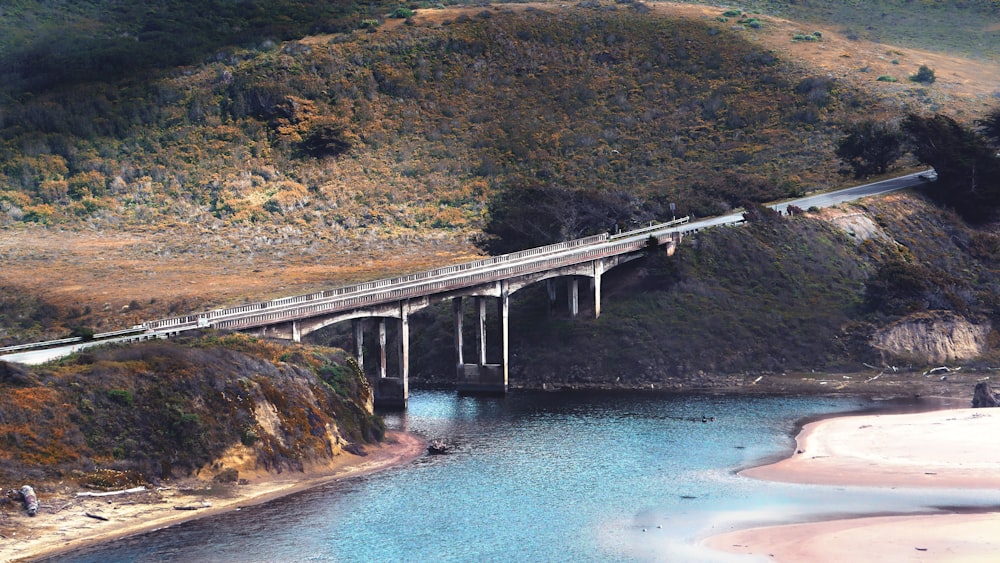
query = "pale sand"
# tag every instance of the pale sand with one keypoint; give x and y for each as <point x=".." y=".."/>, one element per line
<point x="948" y="449"/>
<point x="62" y="523"/>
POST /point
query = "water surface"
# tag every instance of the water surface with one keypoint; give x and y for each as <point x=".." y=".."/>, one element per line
<point x="546" y="477"/>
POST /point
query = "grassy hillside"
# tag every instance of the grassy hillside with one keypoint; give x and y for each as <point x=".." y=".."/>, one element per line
<point x="262" y="167"/>
<point x="52" y="43"/>
<point x="154" y="411"/>
<point x="413" y="132"/>
<point x="363" y="142"/>
<point x="970" y="28"/>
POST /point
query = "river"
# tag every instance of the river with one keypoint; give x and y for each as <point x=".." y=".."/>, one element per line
<point x="535" y="476"/>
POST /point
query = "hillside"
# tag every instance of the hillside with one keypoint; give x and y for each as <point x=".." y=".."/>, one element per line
<point x="208" y="407"/>
<point x="267" y="167"/>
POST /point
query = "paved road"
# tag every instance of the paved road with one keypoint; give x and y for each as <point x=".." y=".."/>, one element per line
<point x="828" y="199"/>
<point x="382" y="290"/>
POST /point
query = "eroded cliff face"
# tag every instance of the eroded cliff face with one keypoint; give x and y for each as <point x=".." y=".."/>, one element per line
<point x="219" y="405"/>
<point x="933" y="337"/>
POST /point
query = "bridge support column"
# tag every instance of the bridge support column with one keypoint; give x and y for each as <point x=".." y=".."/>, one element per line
<point x="481" y="310"/>
<point x="359" y="342"/>
<point x="483" y="377"/>
<point x="394" y="392"/>
<point x="457" y="314"/>
<point x="574" y="296"/>
<point x="598" y="272"/>
<point x="381" y="349"/>
<point x="550" y="287"/>
<point x="503" y="307"/>
<point x="296" y="332"/>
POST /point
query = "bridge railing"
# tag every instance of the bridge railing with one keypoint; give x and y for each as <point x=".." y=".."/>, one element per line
<point x="190" y="320"/>
<point x="429" y="288"/>
<point x="652" y="228"/>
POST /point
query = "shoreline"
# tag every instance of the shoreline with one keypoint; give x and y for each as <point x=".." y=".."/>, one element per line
<point x="942" y="449"/>
<point x="63" y="525"/>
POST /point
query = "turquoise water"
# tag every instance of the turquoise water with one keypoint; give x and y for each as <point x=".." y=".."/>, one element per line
<point x="546" y="477"/>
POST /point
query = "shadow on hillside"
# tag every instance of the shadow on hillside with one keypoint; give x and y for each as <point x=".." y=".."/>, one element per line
<point x="48" y="47"/>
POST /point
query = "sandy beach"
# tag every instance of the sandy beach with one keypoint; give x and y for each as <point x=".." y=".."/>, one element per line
<point x="941" y="449"/>
<point x="68" y="522"/>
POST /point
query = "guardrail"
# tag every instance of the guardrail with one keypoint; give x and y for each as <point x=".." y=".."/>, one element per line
<point x="189" y="320"/>
<point x="652" y="228"/>
<point x="429" y="288"/>
<point x="45" y="344"/>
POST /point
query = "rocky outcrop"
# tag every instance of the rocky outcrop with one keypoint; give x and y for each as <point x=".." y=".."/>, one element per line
<point x="932" y="338"/>
<point x="983" y="396"/>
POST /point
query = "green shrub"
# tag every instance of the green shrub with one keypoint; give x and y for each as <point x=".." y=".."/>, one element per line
<point x="121" y="396"/>
<point x="84" y="332"/>
<point x="754" y="23"/>
<point x="886" y="78"/>
<point x="924" y="75"/>
<point x="732" y="13"/>
<point x="402" y="13"/>
<point x="249" y="438"/>
<point x="804" y="37"/>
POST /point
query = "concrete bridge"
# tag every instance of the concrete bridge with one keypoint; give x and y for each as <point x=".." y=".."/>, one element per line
<point x="394" y="300"/>
<point x="496" y="278"/>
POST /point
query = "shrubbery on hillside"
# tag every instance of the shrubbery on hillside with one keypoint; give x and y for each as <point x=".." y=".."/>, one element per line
<point x="168" y="409"/>
<point x="416" y="129"/>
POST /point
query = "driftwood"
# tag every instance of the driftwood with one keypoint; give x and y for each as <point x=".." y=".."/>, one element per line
<point x="112" y="493"/>
<point x="983" y="396"/>
<point x="95" y="516"/>
<point x="204" y="504"/>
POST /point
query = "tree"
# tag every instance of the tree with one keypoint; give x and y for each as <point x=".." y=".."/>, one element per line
<point x="925" y="75"/>
<point x="525" y="217"/>
<point x="967" y="167"/>
<point x="990" y="126"/>
<point x="871" y="146"/>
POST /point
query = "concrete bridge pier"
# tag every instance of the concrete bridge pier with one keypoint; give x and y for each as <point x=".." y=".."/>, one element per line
<point x="482" y="377"/>
<point x="392" y="392"/>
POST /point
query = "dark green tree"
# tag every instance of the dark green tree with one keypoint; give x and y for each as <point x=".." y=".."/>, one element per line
<point x="990" y="126"/>
<point x="925" y="75"/>
<point x="871" y="146"/>
<point x="525" y="217"/>
<point x="967" y="167"/>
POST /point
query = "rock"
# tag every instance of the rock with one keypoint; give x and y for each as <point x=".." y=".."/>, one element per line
<point x="30" y="500"/>
<point x="933" y="337"/>
<point x="437" y="447"/>
<point x="983" y="396"/>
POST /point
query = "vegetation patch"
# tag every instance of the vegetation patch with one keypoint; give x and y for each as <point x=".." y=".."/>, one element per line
<point x="159" y="410"/>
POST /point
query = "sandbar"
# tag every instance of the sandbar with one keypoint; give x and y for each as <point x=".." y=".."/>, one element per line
<point x="63" y="524"/>
<point x="940" y="449"/>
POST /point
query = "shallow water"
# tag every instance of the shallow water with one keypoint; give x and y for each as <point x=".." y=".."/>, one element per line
<point x="547" y="477"/>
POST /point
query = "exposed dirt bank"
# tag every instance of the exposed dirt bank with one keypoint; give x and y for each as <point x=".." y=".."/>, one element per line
<point x="66" y="522"/>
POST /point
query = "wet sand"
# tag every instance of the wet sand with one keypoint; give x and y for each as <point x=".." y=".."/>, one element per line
<point x="940" y="449"/>
<point x="67" y="522"/>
